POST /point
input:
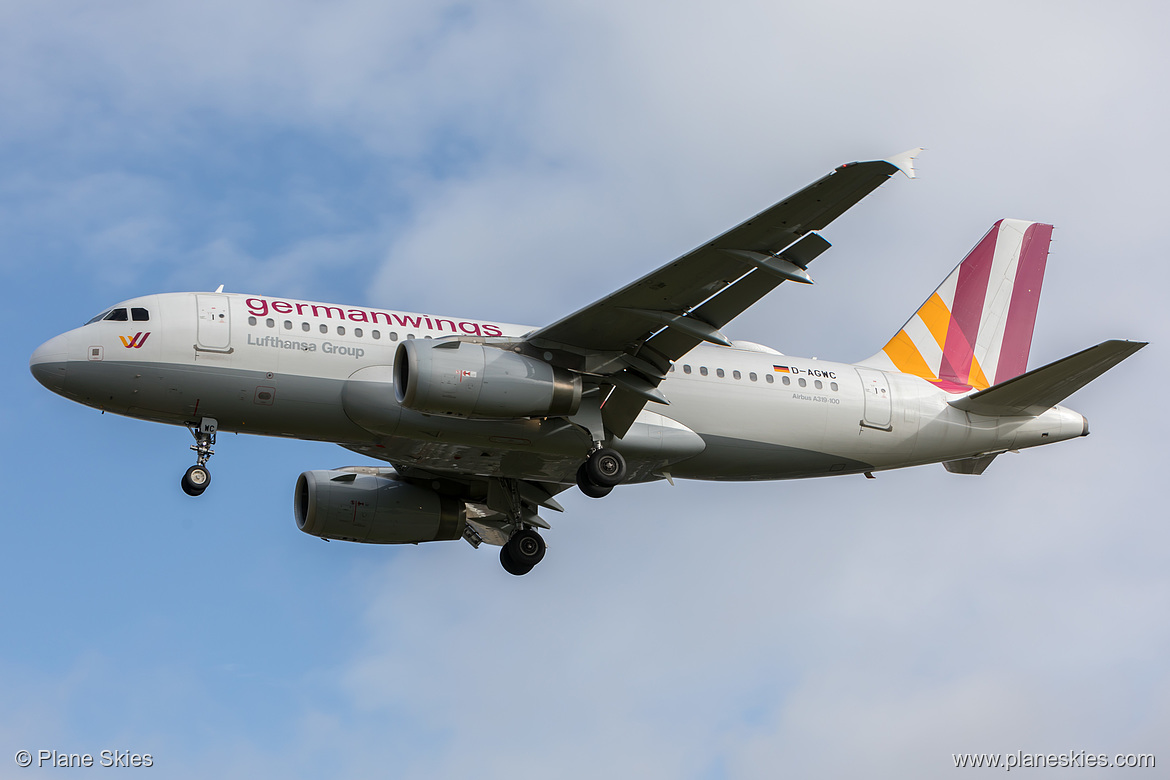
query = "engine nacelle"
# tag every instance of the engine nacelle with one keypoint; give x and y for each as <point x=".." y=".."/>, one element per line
<point x="374" y="509"/>
<point x="461" y="379"/>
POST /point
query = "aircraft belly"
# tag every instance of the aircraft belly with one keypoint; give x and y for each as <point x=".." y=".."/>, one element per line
<point x="544" y="449"/>
<point x="244" y="401"/>
<point x="742" y="460"/>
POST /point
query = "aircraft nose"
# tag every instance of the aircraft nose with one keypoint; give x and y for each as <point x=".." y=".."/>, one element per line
<point x="47" y="363"/>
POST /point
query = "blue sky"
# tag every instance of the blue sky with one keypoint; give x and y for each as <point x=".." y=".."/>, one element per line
<point x="514" y="161"/>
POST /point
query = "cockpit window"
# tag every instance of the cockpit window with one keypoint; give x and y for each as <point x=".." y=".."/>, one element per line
<point x="140" y="315"/>
<point x="116" y="315"/>
<point x="98" y="318"/>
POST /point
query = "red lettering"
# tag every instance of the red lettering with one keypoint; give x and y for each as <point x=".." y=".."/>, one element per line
<point x="357" y="315"/>
<point x="470" y="328"/>
<point x="376" y="314"/>
<point x="492" y="330"/>
<point x="284" y="307"/>
<point x="301" y="308"/>
<point x="257" y="307"/>
<point x="439" y="324"/>
<point x="328" y="311"/>
<point x="413" y="322"/>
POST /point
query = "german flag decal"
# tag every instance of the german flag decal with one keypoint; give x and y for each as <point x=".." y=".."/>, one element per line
<point x="782" y="369"/>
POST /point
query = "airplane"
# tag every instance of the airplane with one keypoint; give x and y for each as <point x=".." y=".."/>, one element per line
<point x="481" y="424"/>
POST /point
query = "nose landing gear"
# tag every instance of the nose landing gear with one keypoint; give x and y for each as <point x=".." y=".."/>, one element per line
<point x="197" y="478"/>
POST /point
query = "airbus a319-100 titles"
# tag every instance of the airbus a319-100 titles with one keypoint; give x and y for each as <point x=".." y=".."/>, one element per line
<point x="481" y="424"/>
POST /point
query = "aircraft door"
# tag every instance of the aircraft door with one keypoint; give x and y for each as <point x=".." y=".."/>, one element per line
<point x="878" y="407"/>
<point x="214" y="329"/>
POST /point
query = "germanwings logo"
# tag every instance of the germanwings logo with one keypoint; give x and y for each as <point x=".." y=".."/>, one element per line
<point x="136" y="341"/>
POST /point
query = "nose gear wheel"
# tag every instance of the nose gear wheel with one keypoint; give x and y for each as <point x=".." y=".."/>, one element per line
<point x="198" y="477"/>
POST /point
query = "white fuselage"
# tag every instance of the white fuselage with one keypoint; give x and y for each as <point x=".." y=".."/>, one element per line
<point x="321" y="371"/>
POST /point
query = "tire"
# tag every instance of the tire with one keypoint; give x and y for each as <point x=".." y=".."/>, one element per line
<point x="606" y="468"/>
<point x="525" y="548"/>
<point x="196" y="480"/>
<point x="587" y="487"/>
<point x="511" y="566"/>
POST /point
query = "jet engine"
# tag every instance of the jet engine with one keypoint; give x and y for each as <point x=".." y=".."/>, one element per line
<point x="374" y="508"/>
<point x="462" y="379"/>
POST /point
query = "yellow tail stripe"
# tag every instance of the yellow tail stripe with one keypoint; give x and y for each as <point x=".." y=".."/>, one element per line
<point x="906" y="357"/>
<point x="937" y="318"/>
<point x="977" y="378"/>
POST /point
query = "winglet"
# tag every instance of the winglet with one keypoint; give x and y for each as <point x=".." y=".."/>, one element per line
<point x="905" y="161"/>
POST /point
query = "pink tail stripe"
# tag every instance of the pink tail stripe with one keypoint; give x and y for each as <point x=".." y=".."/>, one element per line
<point x="1021" y="317"/>
<point x="967" y="309"/>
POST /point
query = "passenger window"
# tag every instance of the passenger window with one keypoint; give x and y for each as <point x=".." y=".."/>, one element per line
<point x="117" y="315"/>
<point x="719" y="373"/>
<point x="357" y="332"/>
<point x="787" y="380"/>
<point x="410" y="335"/>
<point x="288" y="324"/>
<point x="251" y="320"/>
<point x="340" y="330"/>
<point x="802" y="382"/>
<point x="270" y="322"/>
<point x="833" y="386"/>
<point x="686" y="369"/>
<point x="376" y="334"/>
<point x="819" y="384"/>
<point x="393" y="336"/>
<point x="736" y="375"/>
<point x="671" y="369"/>
<point x="768" y="378"/>
<point x="140" y="315"/>
<point x="752" y="376"/>
<point x="305" y="327"/>
<point x="324" y="328"/>
<point x="703" y="370"/>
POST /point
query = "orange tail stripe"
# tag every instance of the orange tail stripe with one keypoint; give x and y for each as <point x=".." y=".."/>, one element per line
<point x="906" y="357"/>
<point x="977" y="379"/>
<point x="937" y="318"/>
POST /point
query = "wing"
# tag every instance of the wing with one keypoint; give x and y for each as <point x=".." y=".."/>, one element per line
<point x="628" y="340"/>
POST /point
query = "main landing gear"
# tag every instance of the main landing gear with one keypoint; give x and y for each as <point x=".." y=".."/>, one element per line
<point x="197" y="478"/>
<point x="604" y="470"/>
<point x="523" y="551"/>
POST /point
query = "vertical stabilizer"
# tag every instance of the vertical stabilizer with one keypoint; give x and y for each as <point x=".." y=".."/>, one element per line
<point x="976" y="329"/>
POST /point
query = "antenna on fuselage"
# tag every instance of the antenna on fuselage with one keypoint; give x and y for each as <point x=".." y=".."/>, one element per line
<point x="219" y="289"/>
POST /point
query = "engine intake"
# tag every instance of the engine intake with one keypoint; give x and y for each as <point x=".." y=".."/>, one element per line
<point x="461" y="379"/>
<point x="374" y="509"/>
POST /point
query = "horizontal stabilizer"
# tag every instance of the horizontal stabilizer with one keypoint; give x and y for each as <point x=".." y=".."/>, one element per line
<point x="1033" y="393"/>
<point x="975" y="466"/>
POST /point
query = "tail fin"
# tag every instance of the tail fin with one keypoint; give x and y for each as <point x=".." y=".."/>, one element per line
<point x="976" y="329"/>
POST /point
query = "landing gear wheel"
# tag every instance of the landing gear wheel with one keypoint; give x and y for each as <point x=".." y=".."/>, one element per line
<point x="526" y="548"/>
<point x="196" y="480"/>
<point x="510" y="565"/>
<point x="606" y="467"/>
<point x="587" y="487"/>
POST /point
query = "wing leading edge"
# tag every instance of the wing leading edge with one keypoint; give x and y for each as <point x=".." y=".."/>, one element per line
<point x="629" y="339"/>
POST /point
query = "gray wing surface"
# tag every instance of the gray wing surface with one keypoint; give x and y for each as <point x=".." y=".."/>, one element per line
<point x="630" y="338"/>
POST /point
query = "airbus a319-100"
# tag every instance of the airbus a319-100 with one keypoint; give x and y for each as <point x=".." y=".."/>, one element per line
<point x="481" y="424"/>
